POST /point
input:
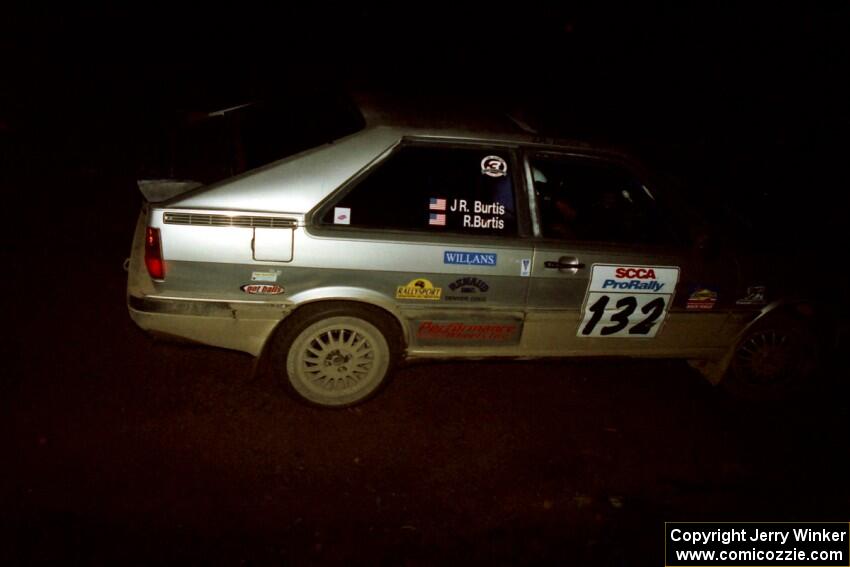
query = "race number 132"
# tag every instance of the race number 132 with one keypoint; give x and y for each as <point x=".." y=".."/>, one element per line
<point x="617" y="314"/>
<point x="627" y="301"/>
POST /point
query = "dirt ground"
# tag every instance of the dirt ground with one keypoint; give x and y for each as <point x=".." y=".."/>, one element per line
<point x="123" y="449"/>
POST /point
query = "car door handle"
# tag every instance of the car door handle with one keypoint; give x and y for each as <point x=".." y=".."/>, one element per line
<point x="561" y="265"/>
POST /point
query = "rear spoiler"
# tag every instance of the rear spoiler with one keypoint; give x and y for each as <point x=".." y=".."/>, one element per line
<point x="156" y="190"/>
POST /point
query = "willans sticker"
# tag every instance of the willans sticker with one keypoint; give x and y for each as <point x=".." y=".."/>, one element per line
<point x="494" y="166"/>
<point x="470" y="258"/>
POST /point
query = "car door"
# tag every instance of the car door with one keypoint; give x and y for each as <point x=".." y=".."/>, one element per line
<point x="437" y="230"/>
<point x="611" y="276"/>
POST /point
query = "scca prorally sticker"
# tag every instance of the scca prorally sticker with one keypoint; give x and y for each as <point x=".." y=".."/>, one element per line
<point x="342" y="215"/>
<point x="262" y="289"/>
<point x="470" y="258"/>
<point x="494" y="166"/>
<point x="420" y="288"/>
<point x="627" y="301"/>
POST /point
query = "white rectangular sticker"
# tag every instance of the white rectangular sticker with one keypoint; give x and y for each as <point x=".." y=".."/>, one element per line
<point x="342" y="215"/>
<point x="264" y="276"/>
<point x="627" y="301"/>
<point x="525" y="267"/>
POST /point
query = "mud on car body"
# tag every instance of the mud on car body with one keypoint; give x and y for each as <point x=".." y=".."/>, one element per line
<point x="394" y="243"/>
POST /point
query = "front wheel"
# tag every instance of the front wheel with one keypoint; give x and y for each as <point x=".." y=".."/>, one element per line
<point x="775" y="359"/>
<point x="336" y="356"/>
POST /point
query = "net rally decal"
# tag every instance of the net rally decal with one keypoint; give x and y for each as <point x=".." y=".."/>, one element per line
<point x="627" y="301"/>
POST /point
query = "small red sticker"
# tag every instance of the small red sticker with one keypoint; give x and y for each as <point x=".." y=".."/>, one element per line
<point x="262" y="289"/>
<point x="702" y="299"/>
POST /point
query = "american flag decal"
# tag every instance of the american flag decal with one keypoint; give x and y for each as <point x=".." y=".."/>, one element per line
<point x="437" y="219"/>
<point x="437" y="204"/>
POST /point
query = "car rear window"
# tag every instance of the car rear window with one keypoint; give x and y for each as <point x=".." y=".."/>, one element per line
<point x="434" y="189"/>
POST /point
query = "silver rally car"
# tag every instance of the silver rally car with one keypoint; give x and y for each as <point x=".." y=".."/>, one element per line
<point x="392" y="243"/>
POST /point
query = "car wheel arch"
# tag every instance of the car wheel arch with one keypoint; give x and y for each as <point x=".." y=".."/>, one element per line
<point x="716" y="371"/>
<point x="379" y="308"/>
<point x="789" y="326"/>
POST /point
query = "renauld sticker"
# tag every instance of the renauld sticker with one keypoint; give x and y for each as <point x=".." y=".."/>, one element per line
<point x="701" y="299"/>
<point x="420" y="288"/>
<point x="469" y="258"/>
<point x="468" y="289"/>
<point x="262" y="289"/>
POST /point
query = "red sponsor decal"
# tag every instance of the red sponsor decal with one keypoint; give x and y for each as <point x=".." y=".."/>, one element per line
<point x="639" y="273"/>
<point x="463" y="331"/>
<point x="262" y="289"/>
<point x="702" y="299"/>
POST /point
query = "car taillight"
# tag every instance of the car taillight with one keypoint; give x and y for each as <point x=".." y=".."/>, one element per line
<point x="153" y="254"/>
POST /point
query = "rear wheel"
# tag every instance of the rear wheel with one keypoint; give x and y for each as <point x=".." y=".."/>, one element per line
<point x="776" y="359"/>
<point x="336" y="355"/>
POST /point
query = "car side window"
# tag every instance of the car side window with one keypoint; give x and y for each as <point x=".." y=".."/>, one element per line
<point x="594" y="200"/>
<point x="434" y="189"/>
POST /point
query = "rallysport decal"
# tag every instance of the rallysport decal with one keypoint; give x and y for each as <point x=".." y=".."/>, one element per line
<point x="627" y="301"/>
<point x="262" y="289"/>
<point x="420" y="288"/>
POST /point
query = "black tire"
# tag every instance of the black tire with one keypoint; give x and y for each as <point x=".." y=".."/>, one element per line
<point x="336" y="354"/>
<point x="775" y="360"/>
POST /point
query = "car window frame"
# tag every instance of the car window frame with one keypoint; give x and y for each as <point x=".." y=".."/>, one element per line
<point x="677" y="241"/>
<point x="523" y="222"/>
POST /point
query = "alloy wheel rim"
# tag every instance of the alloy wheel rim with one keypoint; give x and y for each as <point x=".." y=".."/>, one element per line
<point x="338" y="360"/>
<point x="767" y="357"/>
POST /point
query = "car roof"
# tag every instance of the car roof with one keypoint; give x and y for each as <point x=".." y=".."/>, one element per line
<point x="299" y="182"/>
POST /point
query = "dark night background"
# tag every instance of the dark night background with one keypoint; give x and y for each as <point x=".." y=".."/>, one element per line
<point x="120" y="448"/>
